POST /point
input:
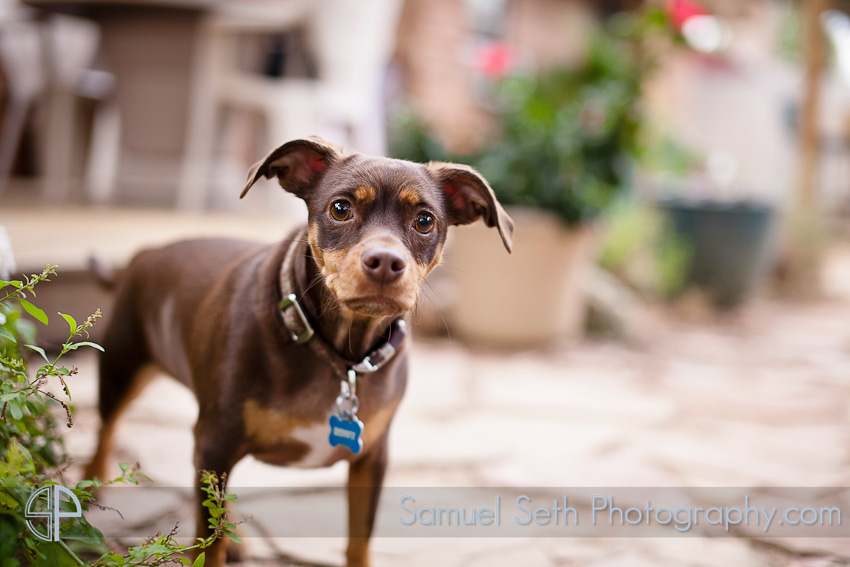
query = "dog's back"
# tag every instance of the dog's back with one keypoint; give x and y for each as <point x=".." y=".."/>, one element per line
<point x="159" y="294"/>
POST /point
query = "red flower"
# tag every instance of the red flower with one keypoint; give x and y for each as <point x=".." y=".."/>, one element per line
<point x="495" y="60"/>
<point x="681" y="11"/>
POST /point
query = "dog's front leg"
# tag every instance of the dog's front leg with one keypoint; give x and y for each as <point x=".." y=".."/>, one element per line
<point x="213" y="453"/>
<point x="365" y="478"/>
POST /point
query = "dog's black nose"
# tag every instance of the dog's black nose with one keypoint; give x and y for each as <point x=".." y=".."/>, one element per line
<point x="384" y="265"/>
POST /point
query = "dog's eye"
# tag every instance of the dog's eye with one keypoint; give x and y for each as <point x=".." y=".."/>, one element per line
<point x="341" y="210"/>
<point x="423" y="223"/>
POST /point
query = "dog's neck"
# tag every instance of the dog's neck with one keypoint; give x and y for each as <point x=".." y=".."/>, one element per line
<point x="351" y="335"/>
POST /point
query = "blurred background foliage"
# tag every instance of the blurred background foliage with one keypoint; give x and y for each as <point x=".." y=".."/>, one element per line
<point x="564" y="139"/>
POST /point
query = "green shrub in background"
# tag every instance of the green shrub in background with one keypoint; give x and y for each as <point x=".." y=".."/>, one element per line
<point x="32" y="453"/>
<point x="643" y="251"/>
<point x="565" y="138"/>
<point x="411" y="139"/>
<point x="566" y="135"/>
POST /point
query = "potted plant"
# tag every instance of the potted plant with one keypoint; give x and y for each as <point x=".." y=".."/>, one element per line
<point x="561" y="156"/>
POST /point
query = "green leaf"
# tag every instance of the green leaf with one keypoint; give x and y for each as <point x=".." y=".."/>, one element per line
<point x="91" y="344"/>
<point x="40" y="351"/>
<point x="37" y="313"/>
<point x="83" y="532"/>
<point x="7" y="335"/>
<point x="27" y="455"/>
<point x="112" y="559"/>
<point x="15" y="411"/>
<point x="154" y="549"/>
<point x="8" y="501"/>
<point x="83" y="484"/>
<point x="54" y="555"/>
<point x="233" y="536"/>
<point x="71" y="322"/>
<point x="199" y="562"/>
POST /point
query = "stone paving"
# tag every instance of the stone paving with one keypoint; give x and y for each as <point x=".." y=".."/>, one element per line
<point x="760" y="398"/>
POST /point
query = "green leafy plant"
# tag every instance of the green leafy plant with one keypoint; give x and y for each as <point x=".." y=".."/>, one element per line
<point x="411" y="139"/>
<point x="567" y="137"/>
<point x="32" y="453"/>
<point x="160" y="549"/>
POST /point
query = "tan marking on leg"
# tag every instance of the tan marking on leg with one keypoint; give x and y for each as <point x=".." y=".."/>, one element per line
<point x="409" y="197"/>
<point x="357" y="554"/>
<point x="97" y="467"/>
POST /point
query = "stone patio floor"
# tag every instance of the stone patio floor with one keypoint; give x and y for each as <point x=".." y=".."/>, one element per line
<point x="758" y="398"/>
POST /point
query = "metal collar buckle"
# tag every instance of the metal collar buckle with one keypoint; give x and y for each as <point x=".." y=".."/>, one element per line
<point x="370" y="363"/>
<point x="377" y="358"/>
<point x="292" y="301"/>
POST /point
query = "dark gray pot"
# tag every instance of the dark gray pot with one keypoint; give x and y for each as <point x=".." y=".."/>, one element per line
<point x="730" y="241"/>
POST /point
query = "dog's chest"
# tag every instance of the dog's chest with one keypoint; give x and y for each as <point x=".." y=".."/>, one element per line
<point x="281" y="437"/>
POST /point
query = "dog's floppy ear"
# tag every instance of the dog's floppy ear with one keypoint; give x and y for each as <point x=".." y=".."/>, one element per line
<point x="469" y="197"/>
<point x="297" y="164"/>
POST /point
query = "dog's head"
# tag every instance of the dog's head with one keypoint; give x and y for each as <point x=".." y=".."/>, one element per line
<point x="377" y="225"/>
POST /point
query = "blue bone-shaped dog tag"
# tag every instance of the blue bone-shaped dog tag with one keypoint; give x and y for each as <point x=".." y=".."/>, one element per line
<point x="345" y="432"/>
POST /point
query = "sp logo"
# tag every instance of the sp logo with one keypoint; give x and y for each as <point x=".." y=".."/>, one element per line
<point x="46" y="503"/>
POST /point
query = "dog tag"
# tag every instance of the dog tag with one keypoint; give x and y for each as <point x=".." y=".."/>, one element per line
<point x="346" y="432"/>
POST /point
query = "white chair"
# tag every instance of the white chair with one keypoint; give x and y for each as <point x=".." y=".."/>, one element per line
<point x="288" y="106"/>
<point x="21" y="61"/>
<point x="351" y="42"/>
<point x="45" y="58"/>
<point x="71" y="45"/>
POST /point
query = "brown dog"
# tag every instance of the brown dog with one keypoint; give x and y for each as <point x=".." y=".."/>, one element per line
<point x="273" y="339"/>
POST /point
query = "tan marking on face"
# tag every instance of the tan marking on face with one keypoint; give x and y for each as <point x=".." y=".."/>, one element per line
<point x="410" y="197"/>
<point x="312" y="239"/>
<point x="434" y="262"/>
<point x="348" y="281"/>
<point x="333" y="260"/>
<point x="365" y="194"/>
<point x="343" y="273"/>
<point x="327" y="259"/>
